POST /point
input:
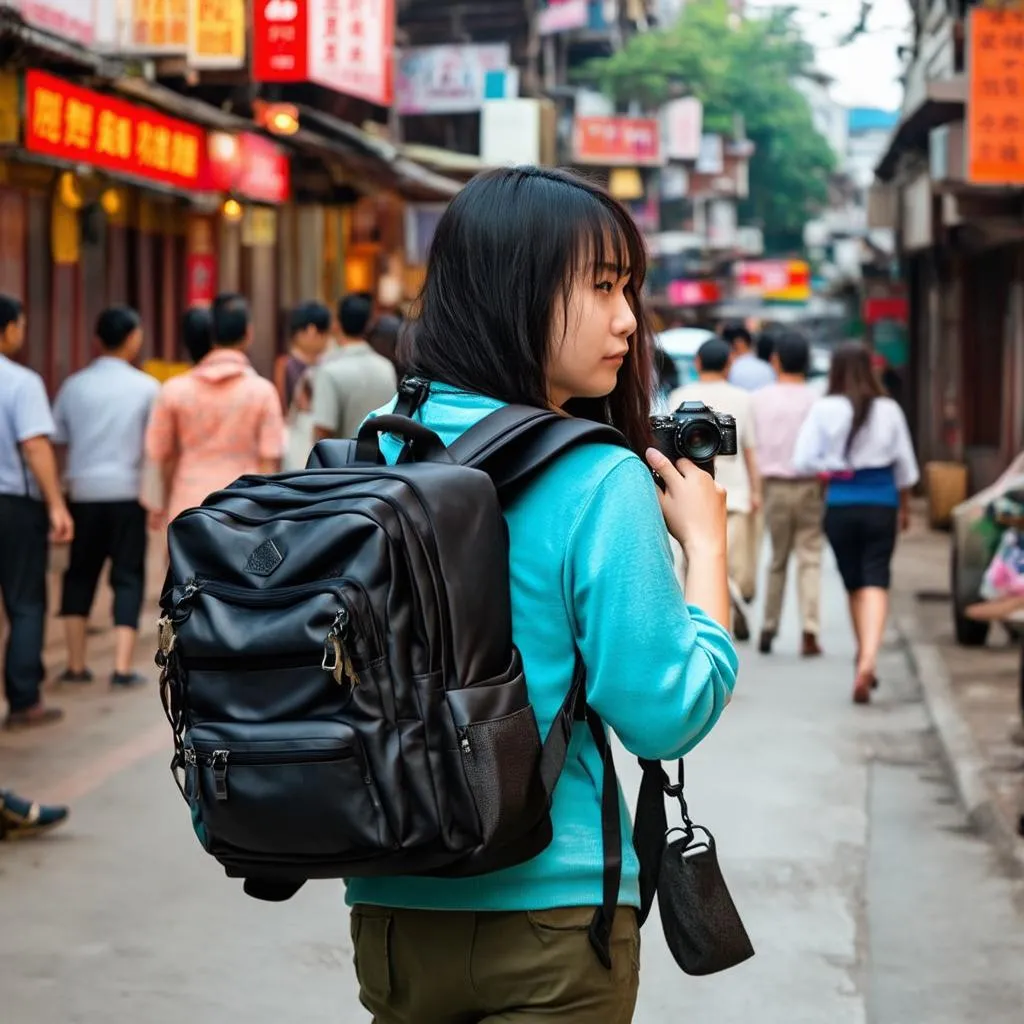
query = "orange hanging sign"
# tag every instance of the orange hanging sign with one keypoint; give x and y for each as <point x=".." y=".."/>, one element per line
<point x="995" y="111"/>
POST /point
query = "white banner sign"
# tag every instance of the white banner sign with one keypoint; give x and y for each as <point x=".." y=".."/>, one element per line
<point x="447" y="79"/>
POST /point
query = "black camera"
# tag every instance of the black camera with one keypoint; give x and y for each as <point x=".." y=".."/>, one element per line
<point x="695" y="432"/>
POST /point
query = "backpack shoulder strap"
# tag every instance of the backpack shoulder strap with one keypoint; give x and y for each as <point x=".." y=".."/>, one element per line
<point x="514" y="443"/>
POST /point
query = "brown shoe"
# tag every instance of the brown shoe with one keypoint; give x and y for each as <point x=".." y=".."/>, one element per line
<point x="765" y="643"/>
<point x="810" y="647"/>
<point x="32" y="718"/>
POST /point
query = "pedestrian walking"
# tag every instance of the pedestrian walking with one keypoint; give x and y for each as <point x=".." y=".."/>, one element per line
<point x="793" y="502"/>
<point x="738" y="474"/>
<point x="31" y="506"/>
<point x="533" y="296"/>
<point x="858" y="438"/>
<point x="747" y="370"/>
<point x="309" y="335"/>
<point x="101" y="414"/>
<point x="384" y="337"/>
<point x="218" y="421"/>
<point x="25" y="819"/>
<point x="352" y="380"/>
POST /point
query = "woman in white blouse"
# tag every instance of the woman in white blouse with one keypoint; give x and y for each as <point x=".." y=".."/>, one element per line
<point x="857" y="439"/>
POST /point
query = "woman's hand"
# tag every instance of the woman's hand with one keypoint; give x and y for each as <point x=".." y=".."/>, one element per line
<point x="692" y="503"/>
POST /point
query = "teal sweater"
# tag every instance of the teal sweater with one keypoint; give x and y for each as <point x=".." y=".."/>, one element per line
<point x="590" y="565"/>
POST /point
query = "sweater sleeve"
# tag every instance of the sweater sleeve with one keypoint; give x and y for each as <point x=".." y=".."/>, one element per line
<point x="659" y="672"/>
<point x="808" y="453"/>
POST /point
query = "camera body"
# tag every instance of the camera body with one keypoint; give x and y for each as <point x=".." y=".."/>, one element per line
<point x="695" y="432"/>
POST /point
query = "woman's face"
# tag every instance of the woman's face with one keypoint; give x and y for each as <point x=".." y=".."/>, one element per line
<point x="591" y="335"/>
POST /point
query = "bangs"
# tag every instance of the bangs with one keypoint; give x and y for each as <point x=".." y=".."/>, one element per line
<point x="605" y="238"/>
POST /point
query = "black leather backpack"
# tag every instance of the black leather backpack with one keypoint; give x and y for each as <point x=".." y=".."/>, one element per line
<point x="338" y="665"/>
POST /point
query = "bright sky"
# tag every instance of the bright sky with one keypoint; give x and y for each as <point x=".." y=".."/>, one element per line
<point x="866" y="70"/>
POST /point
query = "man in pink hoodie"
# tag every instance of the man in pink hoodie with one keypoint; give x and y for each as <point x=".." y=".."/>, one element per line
<point x="218" y="421"/>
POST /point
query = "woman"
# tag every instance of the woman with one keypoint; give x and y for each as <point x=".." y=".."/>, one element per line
<point x="532" y="296"/>
<point x="858" y="439"/>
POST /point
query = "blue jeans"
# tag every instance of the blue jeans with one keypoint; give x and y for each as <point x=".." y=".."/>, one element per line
<point x="24" y="526"/>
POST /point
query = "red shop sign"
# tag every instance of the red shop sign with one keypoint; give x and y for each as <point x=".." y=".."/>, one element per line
<point x="82" y="126"/>
<point x="618" y="141"/>
<point x="694" y="293"/>
<point x="249" y="165"/>
<point x="892" y="308"/>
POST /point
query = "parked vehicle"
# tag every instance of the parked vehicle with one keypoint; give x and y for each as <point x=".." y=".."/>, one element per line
<point x="972" y="545"/>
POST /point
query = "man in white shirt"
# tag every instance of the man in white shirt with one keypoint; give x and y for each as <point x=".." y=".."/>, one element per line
<point x="101" y="414"/>
<point x="747" y="370"/>
<point x="738" y="474"/>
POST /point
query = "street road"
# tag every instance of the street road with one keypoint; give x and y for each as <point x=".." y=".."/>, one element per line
<point x="848" y="857"/>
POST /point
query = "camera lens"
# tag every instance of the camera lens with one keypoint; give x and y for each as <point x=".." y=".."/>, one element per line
<point x="699" y="441"/>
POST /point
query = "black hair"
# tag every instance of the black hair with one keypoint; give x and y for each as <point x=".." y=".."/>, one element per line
<point x="11" y="311"/>
<point x="384" y="335"/>
<point x="504" y="260"/>
<point x="732" y="333"/>
<point x="310" y="314"/>
<point x="851" y="374"/>
<point x="714" y="355"/>
<point x="354" y="312"/>
<point x="115" y="325"/>
<point x="666" y="371"/>
<point x="230" y="319"/>
<point x="794" y="352"/>
<point x="196" y="332"/>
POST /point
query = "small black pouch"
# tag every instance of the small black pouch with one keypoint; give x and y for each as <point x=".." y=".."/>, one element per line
<point x="701" y="924"/>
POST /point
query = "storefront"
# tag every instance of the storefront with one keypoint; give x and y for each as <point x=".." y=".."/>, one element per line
<point x="95" y="201"/>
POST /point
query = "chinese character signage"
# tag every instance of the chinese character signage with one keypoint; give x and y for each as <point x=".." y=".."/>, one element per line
<point x="250" y="166"/>
<point x="72" y="19"/>
<point x="995" y="116"/>
<point x="447" y="79"/>
<point x="617" y="141"/>
<point x="75" y="124"/>
<point x="158" y="26"/>
<point x="216" y="38"/>
<point x="344" y="45"/>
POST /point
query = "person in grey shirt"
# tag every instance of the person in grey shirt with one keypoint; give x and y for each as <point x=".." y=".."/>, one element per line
<point x="747" y="371"/>
<point x="31" y="503"/>
<point x="353" y="380"/>
<point x="101" y="414"/>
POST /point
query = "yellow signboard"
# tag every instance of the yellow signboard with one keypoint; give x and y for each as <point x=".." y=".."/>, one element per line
<point x="159" y="26"/>
<point x="216" y="37"/>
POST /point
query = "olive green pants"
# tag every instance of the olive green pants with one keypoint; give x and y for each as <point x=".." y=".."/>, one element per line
<point x="535" y="967"/>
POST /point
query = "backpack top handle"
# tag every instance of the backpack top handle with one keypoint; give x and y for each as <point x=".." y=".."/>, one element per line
<point x="422" y="444"/>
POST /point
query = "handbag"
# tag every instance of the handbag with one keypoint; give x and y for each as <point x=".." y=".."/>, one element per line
<point x="702" y="926"/>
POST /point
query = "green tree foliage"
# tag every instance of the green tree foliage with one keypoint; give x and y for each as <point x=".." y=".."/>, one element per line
<point x="737" y="67"/>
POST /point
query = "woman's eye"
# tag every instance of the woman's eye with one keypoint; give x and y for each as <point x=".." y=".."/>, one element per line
<point x="605" y="286"/>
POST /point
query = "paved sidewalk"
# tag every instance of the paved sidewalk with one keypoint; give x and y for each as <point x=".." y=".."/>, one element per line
<point x="971" y="692"/>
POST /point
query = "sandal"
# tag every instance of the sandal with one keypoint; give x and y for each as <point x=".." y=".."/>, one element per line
<point x="21" y="818"/>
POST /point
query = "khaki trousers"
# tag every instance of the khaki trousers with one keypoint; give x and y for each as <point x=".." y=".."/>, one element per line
<point x="745" y="534"/>
<point x="794" y="510"/>
<point x="529" y="967"/>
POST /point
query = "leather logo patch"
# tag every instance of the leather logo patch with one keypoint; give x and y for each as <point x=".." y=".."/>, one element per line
<point x="265" y="559"/>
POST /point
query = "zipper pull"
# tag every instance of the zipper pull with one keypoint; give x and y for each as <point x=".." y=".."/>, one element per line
<point x="336" y="658"/>
<point x="190" y="757"/>
<point x="464" y="745"/>
<point x="219" y="763"/>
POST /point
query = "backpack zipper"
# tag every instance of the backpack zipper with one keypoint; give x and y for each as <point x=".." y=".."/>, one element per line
<point x="337" y="658"/>
<point x="218" y="761"/>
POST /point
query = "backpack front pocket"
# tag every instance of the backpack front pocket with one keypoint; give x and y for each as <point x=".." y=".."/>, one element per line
<point x="301" y="788"/>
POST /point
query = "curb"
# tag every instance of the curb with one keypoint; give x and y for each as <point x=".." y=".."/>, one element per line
<point x="959" y="747"/>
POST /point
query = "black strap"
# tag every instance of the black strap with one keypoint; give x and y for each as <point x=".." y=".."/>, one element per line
<point x="611" y="842"/>
<point x="516" y="442"/>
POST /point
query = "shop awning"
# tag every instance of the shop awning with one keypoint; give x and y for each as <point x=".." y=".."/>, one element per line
<point x="383" y="162"/>
<point x="12" y="26"/>
<point x="941" y="102"/>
